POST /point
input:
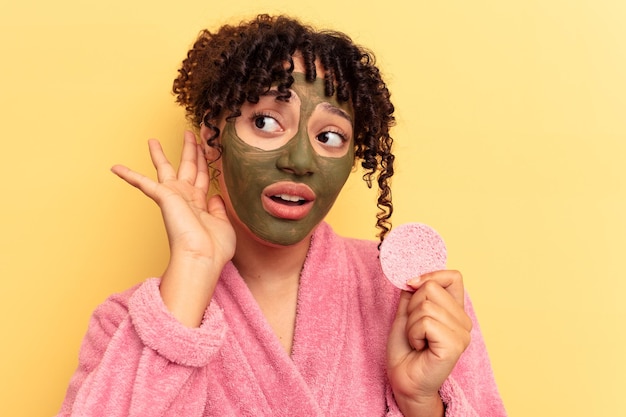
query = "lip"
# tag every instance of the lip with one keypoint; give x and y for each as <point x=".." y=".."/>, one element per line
<point x="285" y="210"/>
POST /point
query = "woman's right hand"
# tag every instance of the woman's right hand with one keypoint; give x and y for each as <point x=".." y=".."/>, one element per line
<point x="200" y="236"/>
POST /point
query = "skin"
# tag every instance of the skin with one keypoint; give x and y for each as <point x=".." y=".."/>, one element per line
<point x="430" y="330"/>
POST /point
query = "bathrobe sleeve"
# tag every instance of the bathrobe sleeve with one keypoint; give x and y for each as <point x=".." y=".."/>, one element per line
<point x="470" y="390"/>
<point x="138" y="360"/>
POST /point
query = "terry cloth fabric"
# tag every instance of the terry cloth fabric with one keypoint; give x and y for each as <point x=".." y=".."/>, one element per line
<point x="137" y="360"/>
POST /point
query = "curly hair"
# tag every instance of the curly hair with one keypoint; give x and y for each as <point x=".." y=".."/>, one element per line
<point x="240" y="63"/>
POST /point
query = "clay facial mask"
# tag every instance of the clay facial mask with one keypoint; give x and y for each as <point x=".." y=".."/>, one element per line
<point x="285" y="162"/>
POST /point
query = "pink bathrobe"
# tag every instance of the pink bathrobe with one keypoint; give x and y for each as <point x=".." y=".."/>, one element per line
<point x="137" y="360"/>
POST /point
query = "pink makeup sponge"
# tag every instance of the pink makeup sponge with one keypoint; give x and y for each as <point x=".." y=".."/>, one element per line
<point x="411" y="250"/>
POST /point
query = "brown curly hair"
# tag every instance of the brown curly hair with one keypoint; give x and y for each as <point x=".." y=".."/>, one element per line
<point x="239" y="63"/>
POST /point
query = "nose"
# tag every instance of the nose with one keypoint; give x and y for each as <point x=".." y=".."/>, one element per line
<point x="298" y="156"/>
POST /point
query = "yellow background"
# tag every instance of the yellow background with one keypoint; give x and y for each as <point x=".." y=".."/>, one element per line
<point x="510" y="141"/>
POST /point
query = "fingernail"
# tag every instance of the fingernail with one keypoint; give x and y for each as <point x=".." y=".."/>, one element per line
<point x="414" y="281"/>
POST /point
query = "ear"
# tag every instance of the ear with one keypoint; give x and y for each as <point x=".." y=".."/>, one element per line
<point x="210" y="153"/>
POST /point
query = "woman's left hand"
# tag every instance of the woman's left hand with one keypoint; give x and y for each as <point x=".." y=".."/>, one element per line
<point x="430" y="332"/>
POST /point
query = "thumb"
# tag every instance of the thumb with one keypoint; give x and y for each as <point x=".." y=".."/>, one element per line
<point x="216" y="207"/>
<point x="398" y="344"/>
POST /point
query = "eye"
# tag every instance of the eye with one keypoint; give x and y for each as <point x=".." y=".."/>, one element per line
<point x="331" y="139"/>
<point x="266" y="123"/>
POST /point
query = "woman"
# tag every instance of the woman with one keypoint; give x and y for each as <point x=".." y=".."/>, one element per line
<point x="262" y="309"/>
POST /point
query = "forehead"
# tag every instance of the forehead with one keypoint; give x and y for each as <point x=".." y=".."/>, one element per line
<point x="311" y="95"/>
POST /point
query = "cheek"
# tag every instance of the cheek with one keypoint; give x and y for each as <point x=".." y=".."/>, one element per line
<point x="245" y="174"/>
<point x="335" y="172"/>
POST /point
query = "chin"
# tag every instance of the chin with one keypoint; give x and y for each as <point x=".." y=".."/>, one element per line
<point x="282" y="236"/>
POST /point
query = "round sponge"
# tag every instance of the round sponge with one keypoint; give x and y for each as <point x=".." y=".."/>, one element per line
<point x="411" y="250"/>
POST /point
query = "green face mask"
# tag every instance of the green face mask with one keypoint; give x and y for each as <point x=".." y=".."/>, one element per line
<point x="282" y="184"/>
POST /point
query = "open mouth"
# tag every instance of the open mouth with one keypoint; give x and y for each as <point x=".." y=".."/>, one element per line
<point x="288" y="200"/>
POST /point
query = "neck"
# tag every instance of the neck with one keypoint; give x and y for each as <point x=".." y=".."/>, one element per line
<point x="272" y="273"/>
<point x="266" y="265"/>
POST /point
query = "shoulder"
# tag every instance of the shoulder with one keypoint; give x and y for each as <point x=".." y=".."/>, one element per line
<point x="361" y="256"/>
<point x="360" y="251"/>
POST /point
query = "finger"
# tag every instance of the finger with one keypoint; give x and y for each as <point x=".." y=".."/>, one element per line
<point x="202" y="177"/>
<point x="450" y="315"/>
<point x="444" y="342"/>
<point x="431" y="294"/>
<point x="188" y="167"/>
<point x="450" y="280"/>
<point x="164" y="169"/>
<point x="397" y="344"/>
<point x="147" y="185"/>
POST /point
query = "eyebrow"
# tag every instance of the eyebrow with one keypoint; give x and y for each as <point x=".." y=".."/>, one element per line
<point x="336" y="111"/>
<point x="325" y="105"/>
<point x="272" y="93"/>
<point x="276" y="94"/>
